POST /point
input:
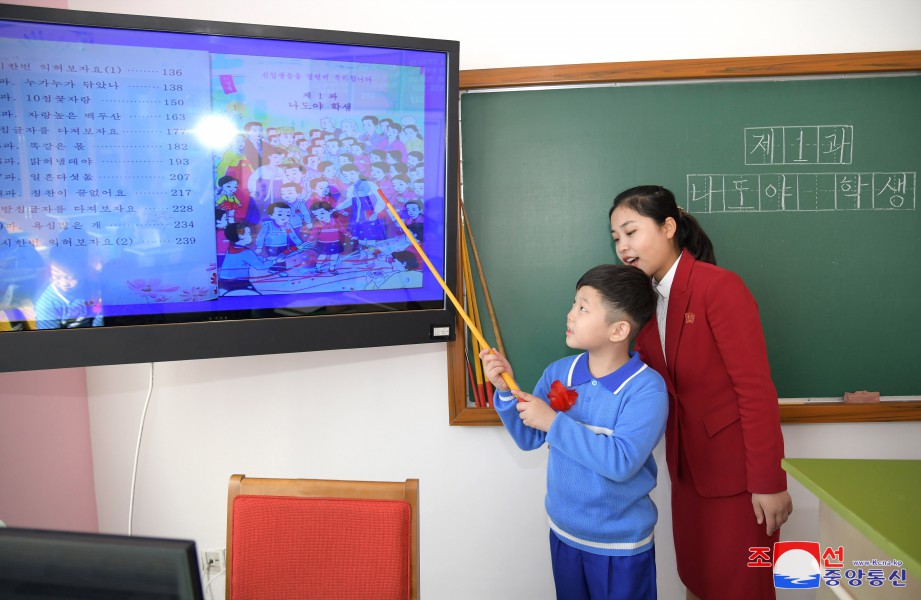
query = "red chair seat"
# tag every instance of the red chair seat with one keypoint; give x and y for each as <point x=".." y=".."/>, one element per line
<point x="324" y="548"/>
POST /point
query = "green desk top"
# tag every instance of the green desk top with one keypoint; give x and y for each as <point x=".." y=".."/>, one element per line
<point x="880" y="498"/>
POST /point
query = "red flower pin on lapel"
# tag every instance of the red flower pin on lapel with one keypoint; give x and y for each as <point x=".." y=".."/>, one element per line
<point x="561" y="398"/>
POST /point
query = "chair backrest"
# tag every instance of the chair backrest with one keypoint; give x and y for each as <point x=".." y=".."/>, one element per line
<point x="321" y="538"/>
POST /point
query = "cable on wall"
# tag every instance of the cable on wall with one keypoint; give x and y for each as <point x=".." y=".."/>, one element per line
<point x="137" y="449"/>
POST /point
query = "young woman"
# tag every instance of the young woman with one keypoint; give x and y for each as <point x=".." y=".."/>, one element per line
<point x="723" y="438"/>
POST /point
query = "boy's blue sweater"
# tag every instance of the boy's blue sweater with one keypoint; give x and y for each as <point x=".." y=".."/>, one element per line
<point x="600" y="470"/>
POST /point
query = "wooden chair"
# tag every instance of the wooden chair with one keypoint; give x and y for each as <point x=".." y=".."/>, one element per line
<point x="317" y="538"/>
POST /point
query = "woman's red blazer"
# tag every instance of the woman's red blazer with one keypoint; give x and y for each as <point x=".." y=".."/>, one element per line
<point x="723" y="412"/>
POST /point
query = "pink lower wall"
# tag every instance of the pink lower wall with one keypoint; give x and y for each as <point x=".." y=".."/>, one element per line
<point x="45" y="3"/>
<point x="46" y="460"/>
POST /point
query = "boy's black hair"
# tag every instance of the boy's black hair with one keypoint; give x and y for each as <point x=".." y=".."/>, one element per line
<point x="271" y="209"/>
<point x="233" y="231"/>
<point x="626" y="291"/>
<point x="407" y="257"/>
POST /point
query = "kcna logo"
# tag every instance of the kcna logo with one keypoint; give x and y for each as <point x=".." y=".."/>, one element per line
<point x="796" y="565"/>
<point x="804" y="565"/>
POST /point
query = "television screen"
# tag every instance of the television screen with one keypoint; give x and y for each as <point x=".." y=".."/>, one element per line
<point x="175" y="189"/>
<point x="38" y="564"/>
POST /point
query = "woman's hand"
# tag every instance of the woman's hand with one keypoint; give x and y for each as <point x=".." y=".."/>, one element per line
<point x="772" y="509"/>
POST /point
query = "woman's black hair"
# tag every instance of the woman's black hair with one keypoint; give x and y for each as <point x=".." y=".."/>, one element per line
<point x="658" y="203"/>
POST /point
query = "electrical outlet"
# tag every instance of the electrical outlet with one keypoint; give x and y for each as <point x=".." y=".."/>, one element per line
<point x="212" y="561"/>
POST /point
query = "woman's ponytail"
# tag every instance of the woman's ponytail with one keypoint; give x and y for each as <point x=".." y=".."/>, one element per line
<point x="693" y="237"/>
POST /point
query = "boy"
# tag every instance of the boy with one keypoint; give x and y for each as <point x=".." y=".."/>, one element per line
<point x="234" y="275"/>
<point x="277" y="235"/>
<point x="294" y="173"/>
<point x="295" y="198"/>
<point x="327" y="233"/>
<point x="332" y="151"/>
<point x="63" y="304"/>
<point x="371" y="137"/>
<point x="419" y="188"/>
<point x="600" y="469"/>
<point x="417" y="172"/>
<point x="414" y="218"/>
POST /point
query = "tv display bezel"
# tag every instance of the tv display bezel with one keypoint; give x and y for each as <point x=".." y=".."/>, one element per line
<point x="126" y="344"/>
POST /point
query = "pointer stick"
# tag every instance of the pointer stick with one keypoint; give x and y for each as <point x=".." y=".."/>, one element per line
<point x="476" y="332"/>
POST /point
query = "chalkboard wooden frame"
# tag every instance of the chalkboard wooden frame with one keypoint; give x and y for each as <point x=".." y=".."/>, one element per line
<point x="671" y="70"/>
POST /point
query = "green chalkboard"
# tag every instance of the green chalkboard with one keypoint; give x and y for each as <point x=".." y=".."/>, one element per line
<point x="807" y="187"/>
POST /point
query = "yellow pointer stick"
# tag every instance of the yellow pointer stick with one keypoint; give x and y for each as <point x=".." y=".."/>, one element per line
<point x="476" y="332"/>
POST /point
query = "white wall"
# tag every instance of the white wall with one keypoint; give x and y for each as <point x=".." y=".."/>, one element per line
<point x="514" y="33"/>
<point x="382" y="413"/>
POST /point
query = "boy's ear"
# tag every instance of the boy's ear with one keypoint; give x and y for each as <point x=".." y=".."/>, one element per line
<point x="620" y="331"/>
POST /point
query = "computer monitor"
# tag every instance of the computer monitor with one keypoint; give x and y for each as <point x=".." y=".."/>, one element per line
<point x="46" y="564"/>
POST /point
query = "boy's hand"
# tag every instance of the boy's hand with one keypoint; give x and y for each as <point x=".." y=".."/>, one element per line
<point x="494" y="364"/>
<point x="533" y="411"/>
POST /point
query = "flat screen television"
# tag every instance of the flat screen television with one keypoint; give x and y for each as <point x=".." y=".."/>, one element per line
<point x="175" y="189"/>
<point x="38" y="564"/>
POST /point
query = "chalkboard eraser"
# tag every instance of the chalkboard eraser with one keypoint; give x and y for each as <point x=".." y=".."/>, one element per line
<point x="862" y="397"/>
